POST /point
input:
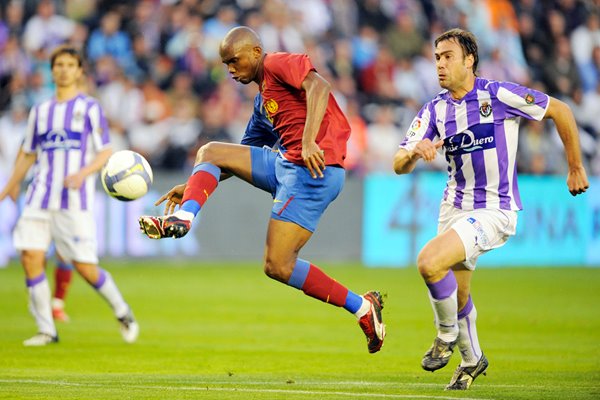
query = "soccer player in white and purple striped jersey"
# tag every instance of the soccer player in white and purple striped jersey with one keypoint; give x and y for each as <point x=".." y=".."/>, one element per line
<point x="67" y="140"/>
<point x="474" y="122"/>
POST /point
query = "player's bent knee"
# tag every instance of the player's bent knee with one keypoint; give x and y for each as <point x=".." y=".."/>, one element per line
<point x="428" y="265"/>
<point x="208" y="152"/>
<point x="277" y="272"/>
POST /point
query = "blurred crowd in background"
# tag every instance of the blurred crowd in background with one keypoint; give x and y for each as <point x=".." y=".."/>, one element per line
<point x="154" y="66"/>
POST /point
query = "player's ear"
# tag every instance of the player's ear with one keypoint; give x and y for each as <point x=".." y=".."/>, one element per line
<point x="469" y="61"/>
<point x="257" y="52"/>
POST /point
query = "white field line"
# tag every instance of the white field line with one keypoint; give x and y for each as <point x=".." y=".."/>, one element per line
<point x="208" y="388"/>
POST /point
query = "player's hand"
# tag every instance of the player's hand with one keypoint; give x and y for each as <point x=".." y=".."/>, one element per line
<point x="577" y="181"/>
<point x="427" y="150"/>
<point x="173" y="198"/>
<point x="314" y="159"/>
<point x="74" y="181"/>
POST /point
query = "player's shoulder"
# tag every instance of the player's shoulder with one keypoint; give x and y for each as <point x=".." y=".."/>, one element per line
<point x="493" y="86"/>
<point x="441" y="96"/>
<point x="278" y="58"/>
<point x="43" y="104"/>
<point x="90" y="100"/>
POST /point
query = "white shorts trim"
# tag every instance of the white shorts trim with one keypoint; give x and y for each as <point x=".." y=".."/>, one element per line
<point x="73" y="233"/>
<point x="480" y="230"/>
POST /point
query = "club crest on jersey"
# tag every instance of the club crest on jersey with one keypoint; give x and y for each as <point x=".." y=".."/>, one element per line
<point x="529" y="98"/>
<point x="271" y="106"/>
<point x="485" y="109"/>
<point x="78" y="116"/>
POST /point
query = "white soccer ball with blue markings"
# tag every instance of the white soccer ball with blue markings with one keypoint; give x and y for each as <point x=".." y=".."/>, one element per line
<point x="126" y="176"/>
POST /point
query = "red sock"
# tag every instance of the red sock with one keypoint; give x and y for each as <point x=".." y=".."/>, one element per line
<point x="62" y="281"/>
<point x="320" y="286"/>
<point x="200" y="186"/>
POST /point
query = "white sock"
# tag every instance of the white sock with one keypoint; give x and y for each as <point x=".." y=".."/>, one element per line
<point x="39" y="307"/>
<point x="364" y="308"/>
<point x="468" y="342"/>
<point x="109" y="290"/>
<point x="186" y="215"/>
<point x="445" y="312"/>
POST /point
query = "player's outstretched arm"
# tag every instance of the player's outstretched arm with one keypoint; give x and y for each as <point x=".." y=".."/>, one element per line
<point x="561" y="114"/>
<point x="405" y="160"/>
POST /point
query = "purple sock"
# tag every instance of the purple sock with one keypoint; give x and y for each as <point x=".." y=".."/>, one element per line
<point x="466" y="309"/>
<point x="443" y="289"/>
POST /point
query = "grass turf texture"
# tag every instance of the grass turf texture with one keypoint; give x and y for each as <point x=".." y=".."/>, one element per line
<point x="225" y="331"/>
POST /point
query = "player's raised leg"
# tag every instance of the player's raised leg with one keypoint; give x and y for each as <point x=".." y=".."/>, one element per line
<point x="106" y="287"/>
<point x="284" y="241"/>
<point x="212" y="159"/>
<point x="39" y="298"/>
<point x="434" y="263"/>
<point x="63" y="274"/>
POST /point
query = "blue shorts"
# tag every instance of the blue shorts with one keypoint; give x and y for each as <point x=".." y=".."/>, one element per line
<point x="297" y="196"/>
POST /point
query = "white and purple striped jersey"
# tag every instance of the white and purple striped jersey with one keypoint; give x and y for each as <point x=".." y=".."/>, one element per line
<point x="65" y="137"/>
<point x="480" y="134"/>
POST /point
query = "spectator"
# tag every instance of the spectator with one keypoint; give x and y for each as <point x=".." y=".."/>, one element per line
<point x="109" y="40"/>
<point x="278" y="33"/>
<point x="403" y="38"/>
<point x="46" y="30"/>
<point x="584" y="40"/>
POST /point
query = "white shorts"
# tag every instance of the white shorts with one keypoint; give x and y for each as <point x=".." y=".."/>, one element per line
<point x="73" y="232"/>
<point x="480" y="230"/>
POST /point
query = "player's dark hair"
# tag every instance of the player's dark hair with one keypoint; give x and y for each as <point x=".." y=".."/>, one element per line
<point x="466" y="40"/>
<point x="65" y="49"/>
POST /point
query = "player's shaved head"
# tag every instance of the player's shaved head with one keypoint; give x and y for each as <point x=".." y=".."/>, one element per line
<point x="240" y="37"/>
<point x="241" y="50"/>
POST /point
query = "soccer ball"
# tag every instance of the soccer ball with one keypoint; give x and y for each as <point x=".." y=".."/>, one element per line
<point x="126" y="176"/>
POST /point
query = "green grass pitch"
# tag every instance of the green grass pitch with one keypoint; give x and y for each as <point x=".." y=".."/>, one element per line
<point x="225" y="331"/>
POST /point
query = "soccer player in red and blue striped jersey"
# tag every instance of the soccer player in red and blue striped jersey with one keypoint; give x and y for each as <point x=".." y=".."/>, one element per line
<point x="304" y="176"/>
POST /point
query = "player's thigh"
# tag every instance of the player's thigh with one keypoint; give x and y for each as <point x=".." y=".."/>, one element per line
<point x="302" y="199"/>
<point x="233" y="158"/>
<point x="263" y="160"/>
<point x="74" y="234"/>
<point x="33" y="231"/>
<point x="480" y="230"/>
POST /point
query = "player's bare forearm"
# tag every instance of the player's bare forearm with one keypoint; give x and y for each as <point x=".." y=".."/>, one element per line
<point x="566" y="126"/>
<point x="96" y="164"/>
<point x="404" y="162"/>
<point x="317" y="96"/>
<point x="74" y="181"/>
